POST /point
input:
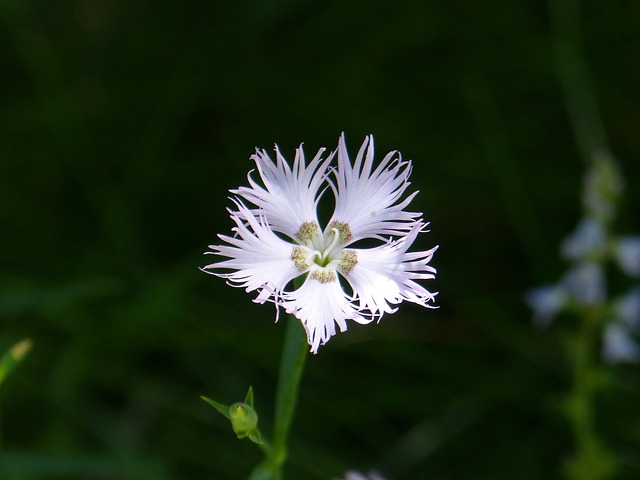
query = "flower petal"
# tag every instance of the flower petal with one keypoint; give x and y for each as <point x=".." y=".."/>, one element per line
<point x="367" y="199"/>
<point x="619" y="346"/>
<point x="320" y="306"/>
<point x="260" y="259"/>
<point x="289" y="196"/>
<point x="589" y="240"/>
<point x="546" y="302"/>
<point x="627" y="309"/>
<point x="385" y="275"/>
<point x="587" y="284"/>
<point x="627" y="253"/>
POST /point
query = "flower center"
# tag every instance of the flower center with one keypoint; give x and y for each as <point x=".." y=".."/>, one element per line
<point x="323" y="258"/>
<point x="322" y="254"/>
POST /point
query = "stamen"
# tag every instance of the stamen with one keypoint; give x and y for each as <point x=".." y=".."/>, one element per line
<point x="345" y="231"/>
<point x="300" y="260"/>
<point x="349" y="260"/>
<point x="323" y="275"/>
<point x="307" y="232"/>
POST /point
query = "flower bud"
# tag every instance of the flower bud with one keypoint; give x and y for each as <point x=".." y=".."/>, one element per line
<point x="244" y="419"/>
<point x="10" y="360"/>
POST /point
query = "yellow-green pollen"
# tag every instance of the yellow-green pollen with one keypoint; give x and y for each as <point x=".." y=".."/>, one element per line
<point x="324" y="275"/>
<point x="348" y="261"/>
<point x="307" y="232"/>
<point x="299" y="258"/>
<point x="343" y="229"/>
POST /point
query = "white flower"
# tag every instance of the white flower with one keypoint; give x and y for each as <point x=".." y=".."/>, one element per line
<point x="627" y="309"/>
<point x="546" y="303"/>
<point x="627" y="252"/>
<point x="587" y="284"/>
<point x="355" y="475"/>
<point x="278" y="238"/>
<point x="588" y="241"/>
<point x="618" y="345"/>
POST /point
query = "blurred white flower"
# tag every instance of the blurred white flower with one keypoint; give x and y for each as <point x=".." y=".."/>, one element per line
<point x="587" y="284"/>
<point x="354" y="475"/>
<point x="618" y="345"/>
<point x="588" y="241"/>
<point x="589" y="249"/>
<point x="546" y="302"/>
<point x="627" y="253"/>
<point x="627" y="309"/>
<point x="280" y="239"/>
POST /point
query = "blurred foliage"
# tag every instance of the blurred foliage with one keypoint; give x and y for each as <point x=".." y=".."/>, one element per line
<point x="123" y="125"/>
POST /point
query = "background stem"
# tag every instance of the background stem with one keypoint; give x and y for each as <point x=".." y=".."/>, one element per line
<point x="294" y="354"/>
<point x="592" y="459"/>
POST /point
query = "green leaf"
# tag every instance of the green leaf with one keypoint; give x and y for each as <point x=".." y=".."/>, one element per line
<point x="256" y="437"/>
<point x="223" y="409"/>
<point x="249" y="398"/>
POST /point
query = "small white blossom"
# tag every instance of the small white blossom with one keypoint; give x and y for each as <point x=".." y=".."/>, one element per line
<point x="586" y="283"/>
<point x="279" y="238"/>
<point x="627" y="309"/>
<point x="355" y="475"/>
<point x="627" y="253"/>
<point x="588" y="241"/>
<point x="618" y="345"/>
<point x="546" y="302"/>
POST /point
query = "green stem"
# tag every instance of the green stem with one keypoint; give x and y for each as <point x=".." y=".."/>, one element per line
<point x="2" y="473"/>
<point x="294" y="354"/>
<point x="592" y="460"/>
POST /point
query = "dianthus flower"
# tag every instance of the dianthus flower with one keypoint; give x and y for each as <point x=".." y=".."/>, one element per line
<point x="278" y="238"/>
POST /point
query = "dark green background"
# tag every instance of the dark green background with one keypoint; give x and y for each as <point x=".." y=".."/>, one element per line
<point x="124" y="123"/>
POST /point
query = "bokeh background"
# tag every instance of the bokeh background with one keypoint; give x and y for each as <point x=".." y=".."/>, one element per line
<point x="124" y="123"/>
